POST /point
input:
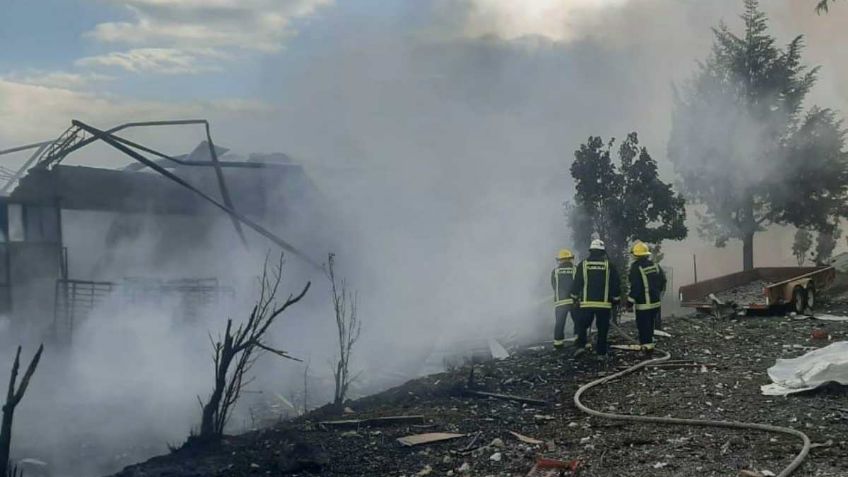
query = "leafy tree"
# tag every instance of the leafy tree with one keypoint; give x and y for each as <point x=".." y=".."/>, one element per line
<point x="622" y="202"/>
<point x="803" y="243"/>
<point x="824" y="6"/>
<point x="743" y="145"/>
<point x="826" y="243"/>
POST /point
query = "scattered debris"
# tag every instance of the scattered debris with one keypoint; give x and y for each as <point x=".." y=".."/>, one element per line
<point x="496" y="457"/>
<point x="497" y="349"/>
<point x="827" y="317"/>
<point x="543" y="417"/>
<point x="526" y="440"/>
<point x="751" y="292"/>
<point x="662" y="333"/>
<point x="553" y="468"/>
<point x="627" y="347"/>
<point x="507" y="397"/>
<point x="427" y="470"/>
<point x="427" y="438"/>
<point x="374" y="422"/>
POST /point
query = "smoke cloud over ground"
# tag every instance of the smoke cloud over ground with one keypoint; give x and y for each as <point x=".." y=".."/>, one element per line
<point x="439" y="135"/>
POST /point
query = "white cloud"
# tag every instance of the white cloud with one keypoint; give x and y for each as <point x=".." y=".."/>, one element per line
<point x="56" y="79"/>
<point x="168" y="61"/>
<point x="31" y="113"/>
<point x="558" y="20"/>
<point x="259" y="25"/>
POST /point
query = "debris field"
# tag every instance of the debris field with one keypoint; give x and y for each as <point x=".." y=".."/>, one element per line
<point x="483" y="433"/>
<point x="742" y="295"/>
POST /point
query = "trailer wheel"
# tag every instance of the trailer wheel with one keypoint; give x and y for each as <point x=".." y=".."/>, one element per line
<point x="799" y="300"/>
<point x="811" y="297"/>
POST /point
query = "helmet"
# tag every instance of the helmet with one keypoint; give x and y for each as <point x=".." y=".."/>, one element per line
<point x="565" y="254"/>
<point x="640" y="250"/>
<point x="597" y="245"/>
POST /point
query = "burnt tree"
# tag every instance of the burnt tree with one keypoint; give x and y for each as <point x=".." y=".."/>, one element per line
<point x="236" y="353"/>
<point x="13" y="398"/>
<point x="348" y="327"/>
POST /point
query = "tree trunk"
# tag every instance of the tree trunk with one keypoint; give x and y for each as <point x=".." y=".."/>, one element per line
<point x="749" y="227"/>
<point x="6" y="438"/>
<point x="748" y="251"/>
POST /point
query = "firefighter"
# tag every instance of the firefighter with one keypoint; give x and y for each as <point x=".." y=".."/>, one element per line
<point x="647" y="284"/>
<point x="561" y="279"/>
<point x="595" y="290"/>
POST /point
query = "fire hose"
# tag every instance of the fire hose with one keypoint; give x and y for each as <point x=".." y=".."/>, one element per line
<point x="805" y="450"/>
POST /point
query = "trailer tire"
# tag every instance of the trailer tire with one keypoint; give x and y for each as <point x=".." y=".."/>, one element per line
<point x="799" y="300"/>
<point x="811" y="297"/>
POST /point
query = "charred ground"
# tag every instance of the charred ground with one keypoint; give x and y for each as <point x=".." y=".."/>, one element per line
<point x="737" y="353"/>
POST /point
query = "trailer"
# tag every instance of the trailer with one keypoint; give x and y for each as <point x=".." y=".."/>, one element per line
<point x="760" y="289"/>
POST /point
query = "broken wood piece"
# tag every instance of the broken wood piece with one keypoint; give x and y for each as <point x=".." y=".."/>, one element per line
<point x="679" y="365"/>
<point x="427" y="438"/>
<point x="507" y="397"/>
<point x="374" y="421"/>
<point x="552" y="467"/>
<point x="750" y="473"/>
<point x="473" y="441"/>
<point x="630" y="347"/>
<point x="526" y="439"/>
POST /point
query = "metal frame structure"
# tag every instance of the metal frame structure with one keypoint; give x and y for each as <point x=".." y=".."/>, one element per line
<point x="51" y="153"/>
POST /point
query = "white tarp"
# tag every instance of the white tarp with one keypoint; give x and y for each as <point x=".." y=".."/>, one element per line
<point x="809" y="371"/>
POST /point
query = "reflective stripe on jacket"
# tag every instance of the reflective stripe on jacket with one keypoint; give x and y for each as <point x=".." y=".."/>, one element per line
<point x="647" y="283"/>
<point x="561" y="279"/>
<point x="596" y="282"/>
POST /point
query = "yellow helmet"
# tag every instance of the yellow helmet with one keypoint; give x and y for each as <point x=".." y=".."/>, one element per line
<point x="565" y="254"/>
<point x="640" y="250"/>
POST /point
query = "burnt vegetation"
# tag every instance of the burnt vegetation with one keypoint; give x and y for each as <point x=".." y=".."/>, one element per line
<point x="14" y="395"/>
<point x="237" y="350"/>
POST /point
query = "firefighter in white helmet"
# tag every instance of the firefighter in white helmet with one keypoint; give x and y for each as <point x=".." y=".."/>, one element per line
<point x="595" y="290"/>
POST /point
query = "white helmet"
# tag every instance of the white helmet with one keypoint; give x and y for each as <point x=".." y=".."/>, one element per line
<point x="597" y="244"/>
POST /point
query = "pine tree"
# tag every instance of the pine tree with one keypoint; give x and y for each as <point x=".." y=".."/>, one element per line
<point x="744" y="147"/>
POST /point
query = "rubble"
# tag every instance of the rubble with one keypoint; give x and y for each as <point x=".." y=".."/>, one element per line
<point x="751" y="292"/>
<point x="728" y="389"/>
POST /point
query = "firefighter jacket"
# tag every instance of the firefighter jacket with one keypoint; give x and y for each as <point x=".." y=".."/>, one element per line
<point x="561" y="279"/>
<point x="596" y="282"/>
<point x="647" y="283"/>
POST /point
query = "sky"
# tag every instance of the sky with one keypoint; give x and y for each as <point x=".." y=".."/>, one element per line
<point x="442" y="126"/>
<point x="447" y="109"/>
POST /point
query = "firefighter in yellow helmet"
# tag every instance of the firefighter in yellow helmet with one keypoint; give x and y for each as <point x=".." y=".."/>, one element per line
<point x="595" y="290"/>
<point x="647" y="284"/>
<point x="562" y="277"/>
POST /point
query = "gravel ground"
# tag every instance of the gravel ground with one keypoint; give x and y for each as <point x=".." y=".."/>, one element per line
<point x="737" y="353"/>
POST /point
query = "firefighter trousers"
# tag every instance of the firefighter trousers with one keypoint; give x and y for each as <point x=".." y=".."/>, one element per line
<point x="561" y="314"/>
<point x="645" y="322"/>
<point x="601" y="316"/>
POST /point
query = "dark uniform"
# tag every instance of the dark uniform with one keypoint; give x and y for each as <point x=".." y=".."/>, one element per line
<point x="562" y="278"/>
<point x="647" y="283"/>
<point x="596" y="288"/>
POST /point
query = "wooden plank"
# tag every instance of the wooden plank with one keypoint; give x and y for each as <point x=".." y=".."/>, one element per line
<point x="374" y="422"/>
<point x="507" y="397"/>
<point x="427" y="438"/>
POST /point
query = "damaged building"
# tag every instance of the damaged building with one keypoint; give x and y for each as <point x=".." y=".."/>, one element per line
<point x="72" y="236"/>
